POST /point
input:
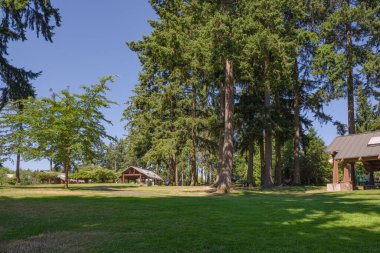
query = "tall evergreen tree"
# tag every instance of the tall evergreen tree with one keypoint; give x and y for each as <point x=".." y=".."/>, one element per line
<point x="345" y="47"/>
<point x="366" y="115"/>
<point x="17" y="17"/>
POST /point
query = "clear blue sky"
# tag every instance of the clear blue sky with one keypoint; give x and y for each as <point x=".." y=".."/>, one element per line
<point x="90" y="44"/>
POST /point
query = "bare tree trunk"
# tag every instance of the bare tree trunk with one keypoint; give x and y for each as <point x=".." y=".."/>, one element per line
<point x="51" y="164"/>
<point x="268" y="157"/>
<point x="278" y="169"/>
<point x="262" y="159"/>
<point x="207" y="170"/>
<point x="201" y="176"/>
<point x="251" y="150"/>
<point x="18" y="158"/>
<point x="66" y="171"/>
<point x="221" y="133"/>
<point x="297" y="126"/>
<point x="224" y="185"/>
<point x="158" y="167"/>
<point x="350" y="86"/>
<point x="194" y="180"/>
<point x="350" y="79"/>
<point x="268" y="130"/>
<point x="173" y="170"/>
<point x="176" y="173"/>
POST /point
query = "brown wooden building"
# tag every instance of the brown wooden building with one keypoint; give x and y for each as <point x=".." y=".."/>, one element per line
<point x="350" y="149"/>
<point x="136" y="173"/>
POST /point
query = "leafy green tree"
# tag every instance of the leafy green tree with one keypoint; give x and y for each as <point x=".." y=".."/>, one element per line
<point x="19" y="16"/>
<point x="11" y="135"/>
<point x="115" y="155"/>
<point x="315" y="167"/>
<point x="68" y="125"/>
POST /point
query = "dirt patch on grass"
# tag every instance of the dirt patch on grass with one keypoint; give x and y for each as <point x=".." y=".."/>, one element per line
<point x="68" y="242"/>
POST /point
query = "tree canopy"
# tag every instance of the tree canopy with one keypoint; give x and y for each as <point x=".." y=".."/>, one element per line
<point x="226" y="76"/>
<point x="18" y="16"/>
<point x="68" y="127"/>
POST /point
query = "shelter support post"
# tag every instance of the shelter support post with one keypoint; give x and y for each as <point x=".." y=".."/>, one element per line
<point x="371" y="178"/>
<point x="353" y="177"/>
<point x="346" y="173"/>
<point x="336" y="172"/>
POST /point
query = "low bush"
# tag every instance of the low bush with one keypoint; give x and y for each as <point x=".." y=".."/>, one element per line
<point x="41" y="177"/>
<point x="101" y="175"/>
<point x="97" y="174"/>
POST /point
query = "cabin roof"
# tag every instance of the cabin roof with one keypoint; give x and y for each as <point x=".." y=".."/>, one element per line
<point x="147" y="173"/>
<point x="355" y="146"/>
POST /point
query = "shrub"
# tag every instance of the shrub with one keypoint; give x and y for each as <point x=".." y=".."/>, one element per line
<point x="82" y="175"/>
<point x="44" y="176"/>
<point x="103" y="175"/>
<point x="4" y="179"/>
<point x="11" y="181"/>
<point x="3" y="176"/>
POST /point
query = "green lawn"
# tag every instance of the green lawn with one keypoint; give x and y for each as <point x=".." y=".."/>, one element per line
<point x="126" y="218"/>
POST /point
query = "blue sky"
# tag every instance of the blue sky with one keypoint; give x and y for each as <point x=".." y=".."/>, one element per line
<point x="90" y="44"/>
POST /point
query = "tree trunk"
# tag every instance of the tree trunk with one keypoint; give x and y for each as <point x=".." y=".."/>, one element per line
<point x="66" y="168"/>
<point x="251" y="150"/>
<point x="350" y="79"/>
<point x="172" y="171"/>
<point x="194" y="180"/>
<point x="51" y="164"/>
<point x="350" y="82"/>
<point x="224" y="185"/>
<point x="176" y="173"/>
<point x="278" y="169"/>
<point x="18" y="158"/>
<point x="221" y="133"/>
<point x="297" y="126"/>
<point x="267" y="130"/>
<point x="207" y="170"/>
<point x="173" y="176"/>
<point x="268" y="151"/>
<point x="202" y="175"/>
<point x="158" y="168"/>
<point x="262" y="159"/>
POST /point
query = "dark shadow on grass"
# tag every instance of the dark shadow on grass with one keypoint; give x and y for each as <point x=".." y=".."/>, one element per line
<point x="107" y="188"/>
<point x="249" y="222"/>
<point x="75" y="187"/>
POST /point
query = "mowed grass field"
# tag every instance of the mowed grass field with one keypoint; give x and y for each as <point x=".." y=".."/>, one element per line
<point x="128" y="218"/>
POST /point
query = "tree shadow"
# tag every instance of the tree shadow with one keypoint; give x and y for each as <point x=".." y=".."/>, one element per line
<point x="250" y="221"/>
<point x="107" y="188"/>
<point x="76" y="187"/>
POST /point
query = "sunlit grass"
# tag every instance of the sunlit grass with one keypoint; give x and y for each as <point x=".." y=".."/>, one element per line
<point x="130" y="218"/>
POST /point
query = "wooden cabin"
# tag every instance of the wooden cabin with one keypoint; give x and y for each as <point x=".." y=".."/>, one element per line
<point x="349" y="150"/>
<point x="133" y="173"/>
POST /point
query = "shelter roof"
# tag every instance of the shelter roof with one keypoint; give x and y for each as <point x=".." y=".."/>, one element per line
<point x="148" y="173"/>
<point x="355" y="146"/>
